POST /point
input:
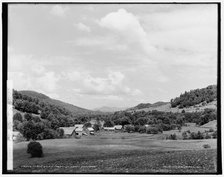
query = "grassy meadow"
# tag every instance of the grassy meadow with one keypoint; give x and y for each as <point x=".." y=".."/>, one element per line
<point x="110" y="152"/>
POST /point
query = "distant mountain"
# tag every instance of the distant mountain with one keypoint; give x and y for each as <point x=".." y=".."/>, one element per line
<point x="109" y="109"/>
<point x="191" y="101"/>
<point x="73" y="109"/>
<point x="148" y="105"/>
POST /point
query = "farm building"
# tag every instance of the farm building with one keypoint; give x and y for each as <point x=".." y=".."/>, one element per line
<point x="109" y="128"/>
<point x="16" y="135"/>
<point x="90" y="130"/>
<point x="68" y="131"/>
<point x="190" y="124"/>
<point x="118" y="127"/>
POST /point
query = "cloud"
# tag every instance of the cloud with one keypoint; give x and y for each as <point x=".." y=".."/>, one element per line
<point x="112" y="85"/>
<point x="83" y="27"/>
<point x="72" y="76"/>
<point x="192" y="29"/>
<point x="128" y="26"/>
<point x="58" y="10"/>
<point x="28" y="73"/>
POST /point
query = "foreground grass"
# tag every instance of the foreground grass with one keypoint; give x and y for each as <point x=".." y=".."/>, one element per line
<point x="200" y="161"/>
<point x="118" y="153"/>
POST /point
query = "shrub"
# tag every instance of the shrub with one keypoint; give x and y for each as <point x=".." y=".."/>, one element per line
<point x="137" y="127"/>
<point x="60" y="132"/>
<point x="35" y="149"/>
<point x="214" y="135"/>
<point x="207" y="136"/>
<point x="40" y="136"/>
<point x="96" y="127"/>
<point x="18" y="117"/>
<point x="36" y="119"/>
<point x="142" y="129"/>
<point x="198" y="135"/>
<point x="185" y="135"/>
<point x="173" y="136"/>
<point x="211" y="130"/>
<point x="152" y="130"/>
<point x="165" y="127"/>
<point x="28" y="116"/>
<point x="50" y="134"/>
<point x="129" y="128"/>
<point x="206" y="146"/>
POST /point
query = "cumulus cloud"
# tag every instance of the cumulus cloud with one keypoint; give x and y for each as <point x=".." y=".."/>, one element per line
<point x="82" y="27"/>
<point x="128" y="26"/>
<point x="58" y="10"/>
<point x="27" y="73"/>
<point x="110" y="86"/>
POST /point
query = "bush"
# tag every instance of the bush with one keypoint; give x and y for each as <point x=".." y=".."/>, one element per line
<point x="142" y="129"/>
<point x="206" y="146"/>
<point x="172" y="137"/>
<point x="35" y="149"/>
<point x="152" y="130"/>
<point x="96" y="127"/>
<point x="211" y="130"/>
<point x="185" y="135"/>
<point x="18" y="117"/>
<point x="198" y="135"/>
<point x="129" y="128"/>
<point x="60" y="132"/>
<point x="40" y="136"/>
<point x="50" y="134"/>
<point x="137" y="127"/>
<point x="214" y="135"/>
<point x="28" y="116"/>
<point x="207" y="136"/>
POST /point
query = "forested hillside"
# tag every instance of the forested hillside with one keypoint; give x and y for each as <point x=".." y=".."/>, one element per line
<point x="75" y="110"/>
<point x="39" y="117"/>
<point x="194" y="97"/>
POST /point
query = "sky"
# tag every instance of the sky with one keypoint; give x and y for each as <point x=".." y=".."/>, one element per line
<point x="116" y="55"/>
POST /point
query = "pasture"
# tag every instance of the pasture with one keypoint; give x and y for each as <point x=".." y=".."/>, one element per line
<point x="109" y="152"/>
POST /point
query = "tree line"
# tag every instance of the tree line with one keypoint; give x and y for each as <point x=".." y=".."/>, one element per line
<point x="194" y="97"/>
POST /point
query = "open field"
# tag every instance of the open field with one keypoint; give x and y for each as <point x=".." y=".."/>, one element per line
<point x="109" y="152"/>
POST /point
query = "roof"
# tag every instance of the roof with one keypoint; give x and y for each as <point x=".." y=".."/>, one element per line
<point x="109" y="128"/>
<point x="68" y="130"/>
<point x="118" y="127"/>
<point x="90" y="129"/>
<point x="79" y="125"/>
<point x="16" y="133"/>
<point x="79" y="129"/>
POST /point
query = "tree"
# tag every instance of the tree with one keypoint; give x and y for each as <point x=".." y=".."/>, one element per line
<point x="96" y="127"/>
<point x="87" y="124"/>
<point x="28" y="116"/>
<point x="17" y="116"/>
<point x="108" y="123"/>
<point x="141" y="121"/>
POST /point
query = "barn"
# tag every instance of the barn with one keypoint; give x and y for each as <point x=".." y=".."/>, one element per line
<point x="118" y="127"/>
<point x="90" y="130"/>
<point x="79" y="129"/>
<point x="68" y="131"/>
<point x="109" y="128"/>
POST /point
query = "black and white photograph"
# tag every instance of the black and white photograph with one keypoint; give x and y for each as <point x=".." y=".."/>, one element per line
<point x="112" y="88"/>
